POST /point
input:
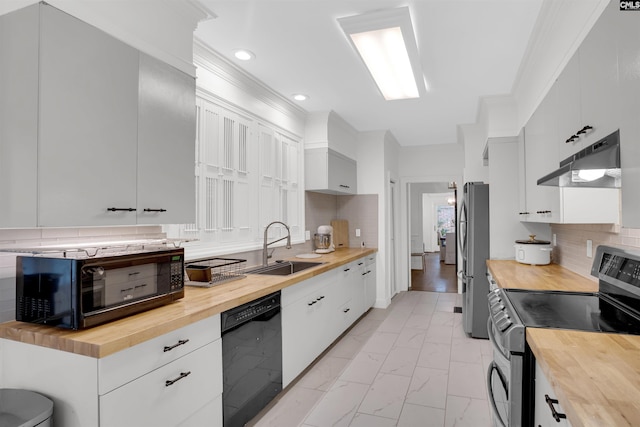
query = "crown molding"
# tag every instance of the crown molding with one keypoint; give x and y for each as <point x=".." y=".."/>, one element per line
<point x="207" y="58"/>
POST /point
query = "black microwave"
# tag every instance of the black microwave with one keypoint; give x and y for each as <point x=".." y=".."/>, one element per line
<point x="80" y="293"/>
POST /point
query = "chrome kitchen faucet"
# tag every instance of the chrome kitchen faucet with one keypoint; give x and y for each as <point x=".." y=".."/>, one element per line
<point x="265" y="254"/>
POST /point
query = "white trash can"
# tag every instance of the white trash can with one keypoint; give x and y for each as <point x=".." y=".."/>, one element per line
<point x="23" y="408"/>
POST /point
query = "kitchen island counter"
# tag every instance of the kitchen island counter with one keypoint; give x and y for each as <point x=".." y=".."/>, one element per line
<point x="197" y="304"/>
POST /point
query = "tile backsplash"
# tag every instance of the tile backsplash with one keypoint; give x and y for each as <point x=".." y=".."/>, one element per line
<point x="360" y="210"/>
<point x="571" y="243"/>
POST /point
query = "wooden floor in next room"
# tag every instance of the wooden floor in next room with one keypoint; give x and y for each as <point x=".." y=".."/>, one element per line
<point x="435" y="276"/>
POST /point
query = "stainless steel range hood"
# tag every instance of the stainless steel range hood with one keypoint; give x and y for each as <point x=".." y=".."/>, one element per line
<point x="598" y="165"/>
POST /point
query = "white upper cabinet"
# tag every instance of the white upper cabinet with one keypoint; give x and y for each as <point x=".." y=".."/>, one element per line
<point x="88" y="107"/>
<point x="588" y="89"/>
<point x="101" y="133"/>
<point x="327" y="171"/>
<point x="542" y="202"/>
<point x="628" y="32"/>
<point x="18" y="113"/>
<point x="569" y="119"/>
<point x="166" y="144"/>
<point x="599" y="77"/>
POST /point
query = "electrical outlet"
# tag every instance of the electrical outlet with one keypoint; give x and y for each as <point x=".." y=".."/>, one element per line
<point x="307" y="235"/>
<point x="357" y="232"/>
<point x="555" y="243"/>
<point x="589" y="248"/>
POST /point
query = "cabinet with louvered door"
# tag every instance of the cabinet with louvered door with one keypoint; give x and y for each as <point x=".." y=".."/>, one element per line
<point x="225" y="155"/>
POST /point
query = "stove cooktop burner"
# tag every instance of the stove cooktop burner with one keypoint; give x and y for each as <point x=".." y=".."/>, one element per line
<point x="572" y="310"/>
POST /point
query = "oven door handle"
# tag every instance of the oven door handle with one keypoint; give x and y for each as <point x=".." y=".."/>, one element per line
<point x="492" y="400"/>
<point x="493" y="340"/>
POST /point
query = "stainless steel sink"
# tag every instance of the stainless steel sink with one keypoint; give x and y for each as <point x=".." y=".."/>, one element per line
<point x="283" y="268"/>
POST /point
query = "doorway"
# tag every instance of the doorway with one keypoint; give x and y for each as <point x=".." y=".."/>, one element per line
<point x="433" y="237"/>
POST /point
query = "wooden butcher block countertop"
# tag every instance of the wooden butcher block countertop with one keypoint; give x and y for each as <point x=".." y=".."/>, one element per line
<point x="596" y="376"/>
<point x="198" y="304"/>
<point x="552" y="277"/>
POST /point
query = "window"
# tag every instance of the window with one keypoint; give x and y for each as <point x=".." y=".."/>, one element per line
<point x="247" y="175"/>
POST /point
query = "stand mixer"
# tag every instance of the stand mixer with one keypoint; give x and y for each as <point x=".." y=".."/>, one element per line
<point x="324" y="240"/>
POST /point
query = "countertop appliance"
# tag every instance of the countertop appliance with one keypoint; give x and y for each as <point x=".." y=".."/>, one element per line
<point x="597" y="165"/>
<point x="324" y="240"/>
<point x="474" y="246"/>
<point x="533" y="251"/>
<point x="251" y="358"/>
<point x="77" y="293"/>
<point x="615" y="308"/>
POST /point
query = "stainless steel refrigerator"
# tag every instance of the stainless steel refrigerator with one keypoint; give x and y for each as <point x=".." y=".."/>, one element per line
<point x="474" y="246"/>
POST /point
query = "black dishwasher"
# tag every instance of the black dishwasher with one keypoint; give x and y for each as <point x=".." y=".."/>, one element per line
<point x="251" y="358"/>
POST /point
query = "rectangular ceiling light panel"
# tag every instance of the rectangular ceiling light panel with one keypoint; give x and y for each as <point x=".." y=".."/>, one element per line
<point x="387" y="46"/>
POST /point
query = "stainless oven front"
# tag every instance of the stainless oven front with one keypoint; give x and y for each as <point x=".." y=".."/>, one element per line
<point x="504" y="382"/>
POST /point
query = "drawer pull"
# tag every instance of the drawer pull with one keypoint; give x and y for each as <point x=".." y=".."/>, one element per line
<point x="154" y="210"/>
<point x="346" y="269"/>
<point x="311" y="302"/>
<point x="167" y="383"/>
<point x="347" y="310"/>
<point x="178" y="344"/>
<point x="556" y="415"/>
<point x="121" y="209"/>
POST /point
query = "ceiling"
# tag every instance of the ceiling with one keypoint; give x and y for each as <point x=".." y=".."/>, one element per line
<point x="468" y="49"/>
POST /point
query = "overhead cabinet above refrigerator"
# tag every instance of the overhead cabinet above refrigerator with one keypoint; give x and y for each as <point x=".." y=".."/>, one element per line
<point x="94" y="132"/>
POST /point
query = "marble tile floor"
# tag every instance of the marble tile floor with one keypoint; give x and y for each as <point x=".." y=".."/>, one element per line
<point x="408" y="365"/>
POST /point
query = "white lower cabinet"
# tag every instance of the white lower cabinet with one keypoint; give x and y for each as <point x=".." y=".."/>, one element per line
<point x="545" y="400"/>
<point x="168" y="395"/>
<point x="307" y="310"/>
<point x="315" y="312"/>
<point x="370" y="278"/>
<point x="171" y="380"/>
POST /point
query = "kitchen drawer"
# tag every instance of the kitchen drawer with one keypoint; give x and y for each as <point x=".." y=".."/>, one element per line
<point x="305" y="288"/>
<point x="210" y="415"/>
<point x="127" y="365"/>
<point x="153" y="401"/>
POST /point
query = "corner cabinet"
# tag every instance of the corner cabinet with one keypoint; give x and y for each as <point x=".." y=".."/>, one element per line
<point x="153" y="383"/>
<point x="327" y="171"/>
<point x="110" y="131"/>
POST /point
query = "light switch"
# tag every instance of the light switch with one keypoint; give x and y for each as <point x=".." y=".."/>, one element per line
<point x="357" y="232"/>
<point x="589" y="248"/>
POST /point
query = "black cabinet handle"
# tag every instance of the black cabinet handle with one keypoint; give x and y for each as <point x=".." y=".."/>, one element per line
<point x="556" y="415"/>
<point x="572" y="138"/>
<point x="178" y="344"/>
<point x="344" y="186"/>
<point x="167" y="383"/>
<point x="121" y="209"/>
<point x="346" y="269"/>
<point x="311" y="303"/>
<point x="155" y="210"/>
<point x="523" y="213"/>
<point x="584" y="130"/>
<point x="347" y="310"/>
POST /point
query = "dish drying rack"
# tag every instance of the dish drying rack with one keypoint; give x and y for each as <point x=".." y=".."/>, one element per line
<point x="215" y="271"/>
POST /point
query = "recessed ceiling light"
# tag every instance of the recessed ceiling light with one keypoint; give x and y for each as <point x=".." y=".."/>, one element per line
<point x="387" y="45"/>
<point x="300" y="97"/>
<point x="243" y="54"/>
